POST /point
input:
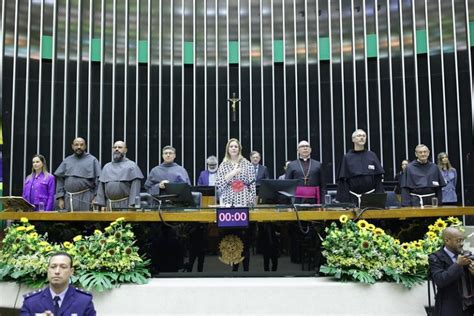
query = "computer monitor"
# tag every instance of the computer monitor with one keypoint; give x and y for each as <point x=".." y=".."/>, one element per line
<point x="277" y="191"/>
<point x="373" y="201"/>
<point x="179" y="194"/>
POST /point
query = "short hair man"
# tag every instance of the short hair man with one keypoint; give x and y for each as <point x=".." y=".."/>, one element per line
<point x="360" y="171"/>
<point x="120" y="180"/>
<point x="261" y="172"/>
<point x="422" y="180"/>
<point x="168" y="171"/>
<point x="208" y="176"/>
<point x="450" y="270"/>
<point x="77" y="178"/>
<point x="308" y="170"/>
<point x="59" y="297"/>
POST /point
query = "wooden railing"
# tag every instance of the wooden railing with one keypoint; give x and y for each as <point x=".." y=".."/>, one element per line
<point x="259" y="214"/>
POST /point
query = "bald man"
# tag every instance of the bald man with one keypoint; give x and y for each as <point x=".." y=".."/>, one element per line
<point x="120" y="181"/>
<point x="451" y="270"/>
<point x="360" y="171"/>
<point x="77" y="178"/>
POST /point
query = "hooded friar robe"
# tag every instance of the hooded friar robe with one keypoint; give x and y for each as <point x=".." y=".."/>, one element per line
<point x="119" y="184"/>
<point x="360" y="172"/>
<point x="421" y="179"/>
<point x="171" y="172"/>
<point x="76" y="181"/>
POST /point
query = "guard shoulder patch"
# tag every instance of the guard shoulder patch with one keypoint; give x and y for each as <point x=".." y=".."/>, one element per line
<point x="31" y="294"/>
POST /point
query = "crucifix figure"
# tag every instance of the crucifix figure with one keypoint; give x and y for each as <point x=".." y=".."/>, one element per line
<point x="233" y="105"/>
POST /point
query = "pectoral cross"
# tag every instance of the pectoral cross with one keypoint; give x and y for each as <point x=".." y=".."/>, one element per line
<point x="305" y="180"/>
<point x="233" y="106"/>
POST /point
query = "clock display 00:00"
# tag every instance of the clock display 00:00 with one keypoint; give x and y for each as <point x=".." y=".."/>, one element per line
<point x="237" y="217"/>
<point x="232" y="217"/>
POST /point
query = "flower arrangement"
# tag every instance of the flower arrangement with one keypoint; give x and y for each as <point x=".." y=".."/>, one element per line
<point x="365" y="253"/>
<point x="101" y="261"/>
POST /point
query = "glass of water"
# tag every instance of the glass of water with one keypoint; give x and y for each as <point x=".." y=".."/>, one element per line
<point x="434" y="202"/>
<point x="41" y="207"/>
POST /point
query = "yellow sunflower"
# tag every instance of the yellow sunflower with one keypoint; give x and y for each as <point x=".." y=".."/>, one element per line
<point x="362" y="224"/>
<point x="371" y="227"/>
<point x="24" y="220"/>
<point x="67" y="245"/>
<point x="379" y="231"/>
<point x="343" y="218"/>
<point x="77" y="238"/>
<point x="440" y="224"/>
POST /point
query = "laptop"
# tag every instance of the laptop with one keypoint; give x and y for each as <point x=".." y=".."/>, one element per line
<point x="373" y="201"/>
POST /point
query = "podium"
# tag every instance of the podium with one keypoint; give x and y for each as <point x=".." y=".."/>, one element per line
<point x="16" y="203"/>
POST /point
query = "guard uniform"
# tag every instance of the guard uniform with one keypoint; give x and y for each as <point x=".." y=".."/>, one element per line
<point x="76" y="301"/>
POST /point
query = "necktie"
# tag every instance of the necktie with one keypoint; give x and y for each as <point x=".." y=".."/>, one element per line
<point x="56" y="300"/>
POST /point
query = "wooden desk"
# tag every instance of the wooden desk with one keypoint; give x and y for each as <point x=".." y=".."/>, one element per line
<point x="256" y="215"/>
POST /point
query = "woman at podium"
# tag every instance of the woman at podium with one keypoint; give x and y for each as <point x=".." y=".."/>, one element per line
<point x="39" y="186"/>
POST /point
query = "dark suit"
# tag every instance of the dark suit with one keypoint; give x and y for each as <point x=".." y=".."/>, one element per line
<point x="448" y="278"/>
<point x="76" y="301"/>
<point x="262" y="173"/>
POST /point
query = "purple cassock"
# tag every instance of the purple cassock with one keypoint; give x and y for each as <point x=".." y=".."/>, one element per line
<point x="38" y="188"/>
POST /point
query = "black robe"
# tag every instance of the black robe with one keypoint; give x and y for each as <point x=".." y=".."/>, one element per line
<point x="360" y="172"/>
<point x="315" y="174"/>
<point x="421" y="179"/>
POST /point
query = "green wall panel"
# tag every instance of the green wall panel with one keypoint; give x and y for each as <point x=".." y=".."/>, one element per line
<point x="421" y="42"/>
<point x="188" y="53"/>
<point x="143" y="51"/>
<point x="278" y="51"/>
<point x="324" y="51"/>
<point x="47" y="50"/>
<point x="371" y="45"/>
<point x="233" y="52"/>
<point x="96" y="50"/>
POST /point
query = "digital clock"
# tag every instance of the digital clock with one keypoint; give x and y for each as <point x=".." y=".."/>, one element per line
<point x="232" y="217"/>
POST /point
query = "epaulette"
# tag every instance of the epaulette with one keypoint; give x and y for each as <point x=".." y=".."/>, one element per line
<point x="31" y="294"/>
<point x="83" y="291"/>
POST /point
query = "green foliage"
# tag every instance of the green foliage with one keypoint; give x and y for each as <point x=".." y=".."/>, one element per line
<point x="362" y="252"/>
<point x="101" y="261"/>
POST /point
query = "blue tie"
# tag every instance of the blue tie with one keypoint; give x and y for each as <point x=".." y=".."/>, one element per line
<point x="56" y="300"/>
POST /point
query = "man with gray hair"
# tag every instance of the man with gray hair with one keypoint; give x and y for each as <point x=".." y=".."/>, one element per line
<point x="360" y="172"/>
<point x="208" y="176"/>
<point x="422" y="180"/>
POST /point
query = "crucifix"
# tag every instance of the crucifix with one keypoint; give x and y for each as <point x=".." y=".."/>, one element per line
<point x="233" y="106"/>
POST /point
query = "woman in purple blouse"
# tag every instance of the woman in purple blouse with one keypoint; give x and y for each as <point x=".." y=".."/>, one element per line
<point x="39" y="186"/>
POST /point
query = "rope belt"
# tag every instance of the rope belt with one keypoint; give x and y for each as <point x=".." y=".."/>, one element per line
<point x="360" y="195"/>
<point x="71" y="194"/>
<point x="109" y="202"/>
<point x="421" y="196"/>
